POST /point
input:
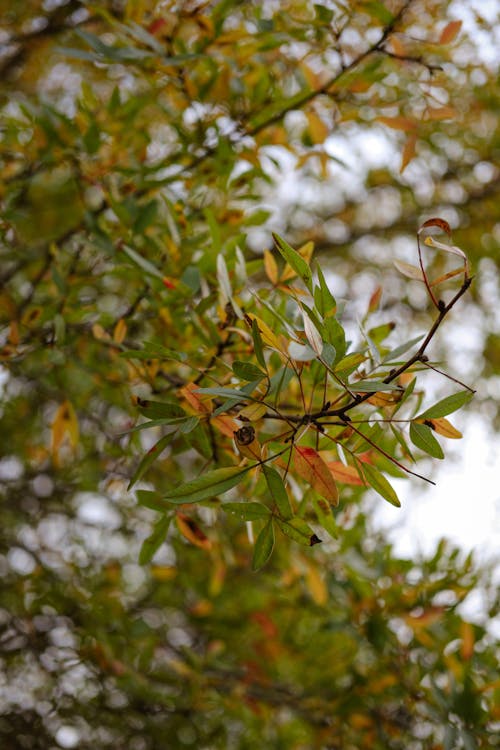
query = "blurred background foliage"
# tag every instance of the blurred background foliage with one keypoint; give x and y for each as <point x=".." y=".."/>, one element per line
<point x="153" y="135"/>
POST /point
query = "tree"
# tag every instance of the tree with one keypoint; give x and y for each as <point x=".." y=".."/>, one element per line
<point x="154" y="343"/>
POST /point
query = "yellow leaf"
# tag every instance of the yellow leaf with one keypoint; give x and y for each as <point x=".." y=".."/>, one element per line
<point x="316" y="585"/>
<point x="253" y="412"/>
<point x="99" y="333"/>
<point x="267" y="335"/>
<point x="271" y="267"/>
<point x="467" y="645"/>
<point x="317" y="128"/>
<point x="120" y="331"/>
<point x="247" y="443"/>
<point x="443" y="427"/>
<point x="450" y="32"/>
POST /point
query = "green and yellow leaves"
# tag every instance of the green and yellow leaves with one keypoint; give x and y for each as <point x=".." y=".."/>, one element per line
<point x="296" y="261"/>
<point x="421" y="436"/>
<point x="447" y="405"/>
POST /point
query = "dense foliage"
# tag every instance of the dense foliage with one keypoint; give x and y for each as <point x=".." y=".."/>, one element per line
<point x="222" y="322"/>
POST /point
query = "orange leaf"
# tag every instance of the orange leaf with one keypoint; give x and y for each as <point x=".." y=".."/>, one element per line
<point x="192" y="532"/>
<point x="189" y="393"/>
<point x="120" y="331"/>
<point x="441" y="113"/>
<point x="409" y="152"/>
<point x="450" y="32"/>
<point x="226" y="425"/>
<point x="467" y="645"/>
<point x="344" y="474"/>
<point x="398" y="123"/>
<point x="398" y="46"/>
<point x="310" y="466"/>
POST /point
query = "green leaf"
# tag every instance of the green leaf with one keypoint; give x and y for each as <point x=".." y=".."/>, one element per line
<point x="161" y="410"/>
<point x="154" y="351"/>
<point x="447" y="405"/>
<point x="324" y="515"/>
<point x="380" y="484"/>
<point x="278" y="491"/>
<point x="150" y="499"/>
<point x="323" y="298"/>
<point x="213" y="483"/>
<point x="295" y="260"/>
<point x="258" y="344"/>
<point x="150" y="457"/>
<point x="263" y="546"/>
<point x="421" y="436"/>
<point x="298" y="530"/>
<point x="373" y="386"/>
<point x="400" y="350"/>
<point x="154" y="541"/>
<point x="247" y="511"/>
<point x="143" y="263"/>
<point x="247" y="371"/>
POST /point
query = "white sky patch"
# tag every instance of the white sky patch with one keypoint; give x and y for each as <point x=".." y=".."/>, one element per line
<point x="464" y="506"/>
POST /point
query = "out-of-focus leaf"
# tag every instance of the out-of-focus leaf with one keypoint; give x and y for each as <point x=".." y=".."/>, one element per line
<point x="191" y="531"/>
<point x="149" y="458"/>
<point x="263" y="546"/>
<point x="450" y="32"/>
<point x="154" y="541"/>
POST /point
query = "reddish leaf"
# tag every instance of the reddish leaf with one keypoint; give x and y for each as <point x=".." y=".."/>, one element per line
<point x="310" y="466"/>
<point x="450" y="32"/>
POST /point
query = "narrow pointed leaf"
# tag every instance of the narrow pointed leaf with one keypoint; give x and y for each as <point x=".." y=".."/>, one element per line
<point x="247" y="511"/>
<point x="263" y="546"/>
<point x="278" y="491"/>
<point x="380" y="484"/>
<point x="298" y="530"/>
<point x="310" y="466"/>
<point x="247" y="371"/>
<point x="150" y="457"/>
<point x="292" y="257"/>
<point x="213" y="483"/>
<point x="447" y="405"/>
<point x="154" y="541"/>
<point x="324" y="515"/>
<point x="422" y="437"/>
